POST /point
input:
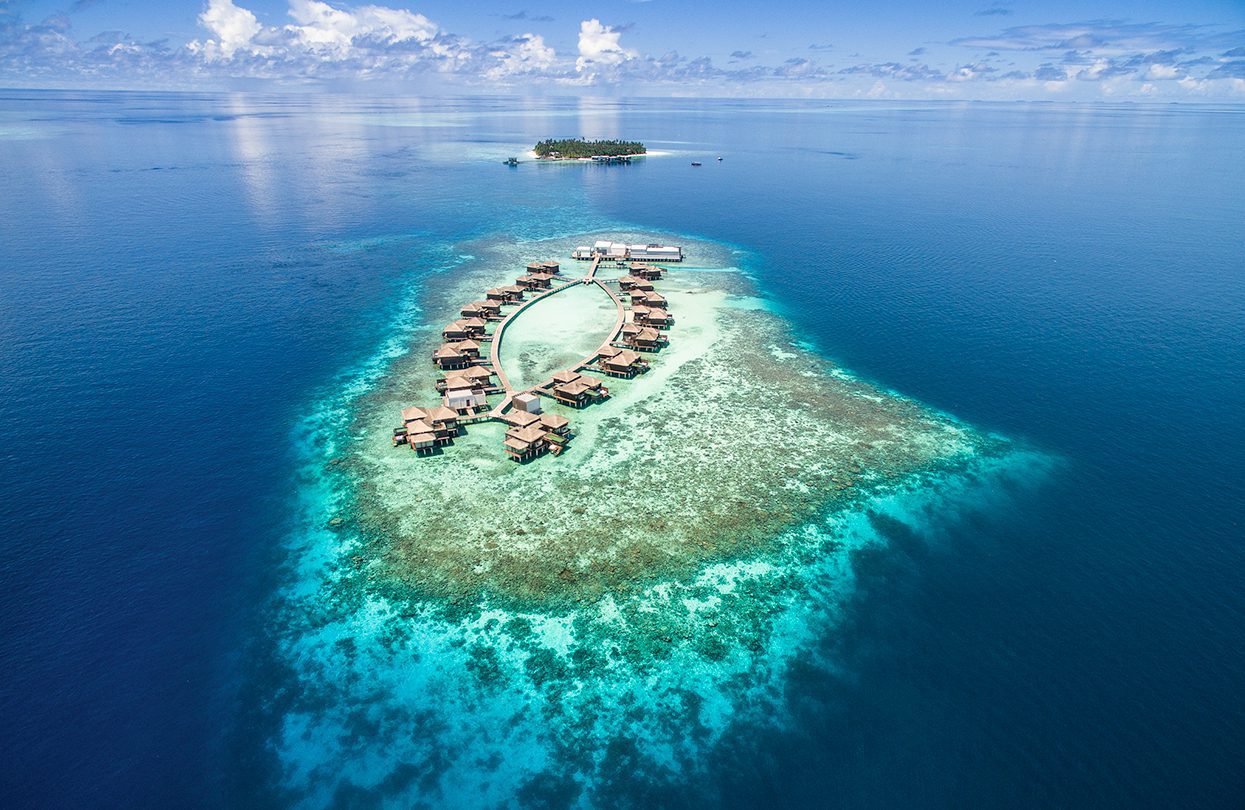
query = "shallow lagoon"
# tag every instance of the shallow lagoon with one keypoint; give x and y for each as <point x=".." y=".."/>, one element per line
<point x="556" y="332"/>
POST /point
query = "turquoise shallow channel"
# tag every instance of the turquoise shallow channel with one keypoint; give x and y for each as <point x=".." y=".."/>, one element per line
<point x="551" y="626"/>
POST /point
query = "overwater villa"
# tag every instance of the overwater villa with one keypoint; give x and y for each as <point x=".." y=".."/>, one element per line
<point x="642" y="338"/>
<point x="424" y="429"/>
<point x="538" y="281"/>
<point x="469" y="348"/>
<point x="525" y="443"/>
<point x="488" y="310"/>
<point x="652" y="316"/>
<point x="648" y="272"/>
<point x="464" y="328"/>
<point x="448" y="357"/>
<point x="520" y="418"/>
<point x="505" y="295"/>
<point x="621" y="362"/>
<point x="531" y="435"/>
<point x="555" y="424"/>
<point x="471" y="377"/>
<point x="544" y="268"/>
<point x="574" y="389"/>
<point x="650" y="298"/>
<point x="627" y="283"/>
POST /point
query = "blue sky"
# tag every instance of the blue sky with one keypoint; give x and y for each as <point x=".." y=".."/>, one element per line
<point x="1091" y="50"/>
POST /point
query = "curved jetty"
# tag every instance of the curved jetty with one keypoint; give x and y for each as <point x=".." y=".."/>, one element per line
<point x="469" y="376"/>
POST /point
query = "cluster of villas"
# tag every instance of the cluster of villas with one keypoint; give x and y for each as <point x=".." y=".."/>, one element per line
<point x="469" y="379"/>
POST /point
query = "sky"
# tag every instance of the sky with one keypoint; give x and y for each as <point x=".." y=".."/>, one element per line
<point x="1093" y="50"/>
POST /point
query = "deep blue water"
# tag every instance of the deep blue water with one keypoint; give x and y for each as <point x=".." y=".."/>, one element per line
<point x="181" y="275"/>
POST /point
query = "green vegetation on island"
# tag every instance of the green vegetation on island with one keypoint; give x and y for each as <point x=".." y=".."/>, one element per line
<point x="574" y="148"/>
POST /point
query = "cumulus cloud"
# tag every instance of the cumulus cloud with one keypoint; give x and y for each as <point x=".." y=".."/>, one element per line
<point x="334" y="31"/>
<point x="233" y="28"/>
<point x="523" y="55"/>
<point x="599" y="45"/>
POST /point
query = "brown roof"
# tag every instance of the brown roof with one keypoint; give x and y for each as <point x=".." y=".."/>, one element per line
<point x="494" y="291"/>
<point x="412" y="413"/>
<point x="512" y="288"/>
<point x="566" y="376"/>
<point x="534" y="266"/>
<point x="529" y="434"/>
<point x="456" y="326"/>
<point x="571" y="389"/>
<point x="639" y="311"/>
<point x="516" y="444"/>
<point x="457" y="381"/>
<point x="420" y="438"/>
<point x="630" y="328"/>
<point x="520" y="418"/>
<point x="646" y="333"/>
<point x="549" y="265"/>
<point x="473" y="322"/>
<point x="553" y="421"/>
<point x="625" y="357"/>
<point x="441" y="413"/>
<point x="609" y="351"/>
<point x="658" y="314"/>
<point x="466" y="344"/>
<point x="477" y="372"/>
<point x="447" y="350"/>
<point x="418" y="426"/>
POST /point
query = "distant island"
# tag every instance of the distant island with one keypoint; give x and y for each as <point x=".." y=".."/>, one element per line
<point x="579" y="149"/>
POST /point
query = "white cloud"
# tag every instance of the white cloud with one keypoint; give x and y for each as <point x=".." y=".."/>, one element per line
<point x="234" y="29"/>
<point x="1158" y="71"/>
<point x="526" y="54"/>
<point x="334" y="32"/>
<point x="600" y="45"/>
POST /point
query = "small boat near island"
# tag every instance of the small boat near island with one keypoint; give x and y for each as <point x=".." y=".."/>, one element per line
<point x="515" y="161"/>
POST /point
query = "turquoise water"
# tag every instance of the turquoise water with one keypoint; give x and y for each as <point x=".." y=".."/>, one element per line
<point x="556" y="333"/>
<point x="229" y="287"/>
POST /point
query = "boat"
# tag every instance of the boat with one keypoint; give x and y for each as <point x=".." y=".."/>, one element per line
<point x="512" y="161"/>
<point x="695" y="163"/>
<point x="719" y="158"/>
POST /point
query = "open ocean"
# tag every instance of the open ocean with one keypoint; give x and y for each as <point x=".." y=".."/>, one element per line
<point x="185" y="279"/>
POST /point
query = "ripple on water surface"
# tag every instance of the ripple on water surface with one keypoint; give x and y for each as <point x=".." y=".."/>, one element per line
<point x="473" y="630"/>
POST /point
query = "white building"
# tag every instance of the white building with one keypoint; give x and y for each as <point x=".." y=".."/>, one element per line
<point x="527" y="402"/>
<point x="464" y="398"/>
<point x="654" y="253"/>
<point x="617" y="251"/>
